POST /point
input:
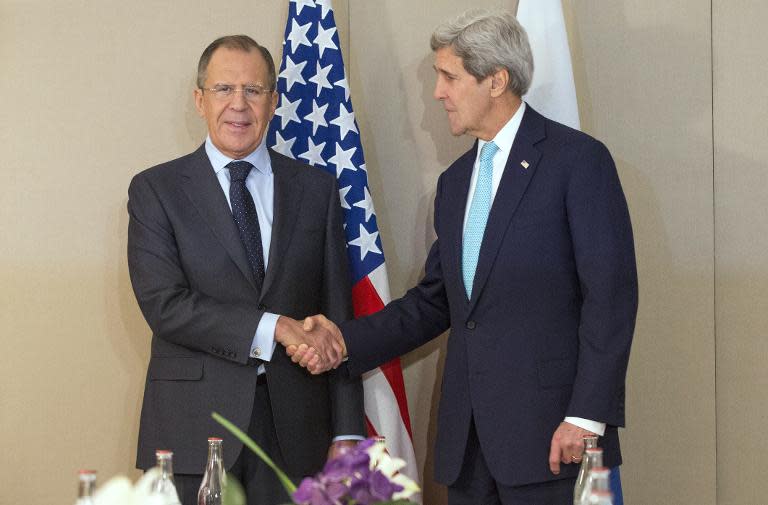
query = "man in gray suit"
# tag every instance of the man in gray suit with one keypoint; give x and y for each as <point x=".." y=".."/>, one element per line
<point x="227" y="246"/>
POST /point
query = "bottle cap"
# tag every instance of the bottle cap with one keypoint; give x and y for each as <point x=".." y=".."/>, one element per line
<point x="214" y="439"/>
<point x="163" y="453"/>
<point x="86" y="472"/>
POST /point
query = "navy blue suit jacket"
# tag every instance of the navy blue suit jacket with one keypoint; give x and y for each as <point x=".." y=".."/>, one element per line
<point x="548" y="330"/>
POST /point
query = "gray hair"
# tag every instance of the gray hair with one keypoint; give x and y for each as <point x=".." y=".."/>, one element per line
<point x="487" y="41"/>
<point x="242" y="43"/>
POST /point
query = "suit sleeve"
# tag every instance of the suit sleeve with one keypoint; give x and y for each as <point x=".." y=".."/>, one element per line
<point x="605" y="261"/>
<point x="174" y="310"/>
<point x="406" y="323"/>
<point x="347" y="406"/>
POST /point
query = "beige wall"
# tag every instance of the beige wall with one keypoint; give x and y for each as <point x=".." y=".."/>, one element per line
<point x="93" y="92"/>
<point x="741" y="248"/>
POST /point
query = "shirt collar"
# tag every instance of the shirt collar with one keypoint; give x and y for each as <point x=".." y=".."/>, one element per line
<point x="507" y="134"/>
<point x="259" y="158"/>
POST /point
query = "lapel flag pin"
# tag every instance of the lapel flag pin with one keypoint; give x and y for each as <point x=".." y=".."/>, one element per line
<point x="524" y="164"/>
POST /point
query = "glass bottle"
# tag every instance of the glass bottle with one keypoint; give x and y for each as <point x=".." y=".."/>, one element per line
<point x="212" y="486"/>
<point x="86" y="487"/>
<point x="164" y="485"/>
<point x="597" y="480"/>
<point x="592" y="457"/>
<point x="590" y="442"/>
<point x="600" y="498"/>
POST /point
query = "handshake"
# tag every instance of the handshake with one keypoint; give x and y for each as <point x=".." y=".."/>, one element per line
<point x="315" y="343"/>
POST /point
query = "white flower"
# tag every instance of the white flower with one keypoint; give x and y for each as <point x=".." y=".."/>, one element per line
<point x="120" y="491"/>
<point x="389" y="466"/>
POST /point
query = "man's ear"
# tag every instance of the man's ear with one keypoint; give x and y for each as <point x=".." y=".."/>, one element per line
<point x="499" y="82"/>
<point x="198" y="96"/>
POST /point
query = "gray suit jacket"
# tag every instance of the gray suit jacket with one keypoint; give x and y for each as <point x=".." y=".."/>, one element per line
<point x="191" y="278"/>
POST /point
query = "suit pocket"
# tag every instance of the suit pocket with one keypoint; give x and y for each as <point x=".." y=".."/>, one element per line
<point x="556" y="373"/>
<point x="175" y="368"/>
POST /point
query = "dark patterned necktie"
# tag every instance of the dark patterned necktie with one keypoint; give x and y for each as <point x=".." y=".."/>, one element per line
<point x="246" y="219"/>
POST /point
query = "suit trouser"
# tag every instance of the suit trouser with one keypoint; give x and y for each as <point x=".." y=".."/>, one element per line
<point x="476" y="485"/>
<point x="259" y="481"/>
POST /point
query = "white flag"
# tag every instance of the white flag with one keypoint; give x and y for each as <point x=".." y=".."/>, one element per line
<point x="552" y="91"/>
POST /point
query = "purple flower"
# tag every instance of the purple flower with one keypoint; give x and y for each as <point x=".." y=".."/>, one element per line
<point x="347" y="478"/>
<point x="311" y="492"/>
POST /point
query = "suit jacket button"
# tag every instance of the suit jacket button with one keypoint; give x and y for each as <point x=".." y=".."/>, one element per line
<point x="471" y="325"/>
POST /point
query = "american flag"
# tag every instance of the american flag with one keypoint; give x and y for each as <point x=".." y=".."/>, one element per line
<point x="314" y="123"/>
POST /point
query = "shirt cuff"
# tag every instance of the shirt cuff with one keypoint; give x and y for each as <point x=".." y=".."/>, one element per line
<point x="340" y="438"/>
<point x="593" y="426"/>
<point x="263" y="344"/>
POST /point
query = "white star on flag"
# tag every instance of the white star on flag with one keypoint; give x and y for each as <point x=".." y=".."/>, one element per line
<point x="298" y="35"/>
<point x="324" y="39"/>
<point x="343" y="159"/>
<point x="345" y="121"/>
<point x="292" y="72"/>
<point x="366" y="242"/>
<point x="326" y="5"/>
<point x="314" y="154"/>
<point x="366" y="204"/>
<point x="287" y="112"/>
<point x="343" y="197"/>
<point x="321" y="78"/>
<point x="342" y="83"/>
<point x="364" y="168"/>
<point x="300" y="4"/>
<point x="284" y="146"/>
<point x="317" y="116"/>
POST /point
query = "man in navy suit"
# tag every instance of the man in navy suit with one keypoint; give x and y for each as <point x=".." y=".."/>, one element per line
<point x="533" y="271"/>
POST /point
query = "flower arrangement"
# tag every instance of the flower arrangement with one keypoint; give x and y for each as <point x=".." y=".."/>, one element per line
<point x="364" y="475"/>
<point x="120" y="491"/>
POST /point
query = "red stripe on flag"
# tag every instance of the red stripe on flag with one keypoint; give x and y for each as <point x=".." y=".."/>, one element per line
<point x="366" y="301"/>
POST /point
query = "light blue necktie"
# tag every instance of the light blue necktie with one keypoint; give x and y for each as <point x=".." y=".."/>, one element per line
<point x="478" y="216"/>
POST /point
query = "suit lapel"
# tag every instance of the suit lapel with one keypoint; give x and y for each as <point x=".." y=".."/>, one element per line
<point x="512" y="187"/>
<point x="204" y="191"/>
<point x="287" y="202"/>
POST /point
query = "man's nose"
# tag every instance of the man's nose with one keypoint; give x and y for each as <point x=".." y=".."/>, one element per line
<point x="438" y="93"/>
<point x="238" y="101"/>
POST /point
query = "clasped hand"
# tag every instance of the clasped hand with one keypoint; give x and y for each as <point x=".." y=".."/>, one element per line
<point x="315" y="343"/>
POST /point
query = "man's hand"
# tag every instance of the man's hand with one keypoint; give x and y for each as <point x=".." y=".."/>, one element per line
<point x="324" y="348"/>
<point x="304" y="355"/>
<point x="340" y="446"/>
<point x="567" y="446"/>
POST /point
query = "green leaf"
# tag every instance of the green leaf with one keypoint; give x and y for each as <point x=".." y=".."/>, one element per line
<point x="233" y="493"/>
<point x="289" y="486"/>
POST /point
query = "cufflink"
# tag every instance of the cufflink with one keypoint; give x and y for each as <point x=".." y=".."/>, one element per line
<point x="255" y="352"/>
